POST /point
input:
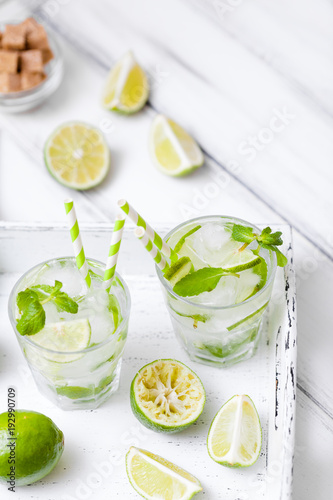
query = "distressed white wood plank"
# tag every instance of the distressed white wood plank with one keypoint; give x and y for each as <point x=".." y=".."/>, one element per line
<point x="293" y="38"/>
<point x="239" y="96"/>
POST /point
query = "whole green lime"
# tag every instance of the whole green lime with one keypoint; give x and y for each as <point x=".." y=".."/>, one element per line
<point x="30" y="447"/>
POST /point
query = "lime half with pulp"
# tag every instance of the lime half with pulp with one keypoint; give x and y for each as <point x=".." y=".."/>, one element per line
<point x="167" y="396"/>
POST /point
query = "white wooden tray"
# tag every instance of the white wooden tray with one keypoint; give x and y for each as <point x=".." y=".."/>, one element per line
<point x="92" y="466"/>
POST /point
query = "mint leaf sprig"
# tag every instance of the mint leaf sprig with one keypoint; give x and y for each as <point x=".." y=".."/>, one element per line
<point x="266" y="239"/>
<point x="30" y="303"/>
<point x="203" y="280"/>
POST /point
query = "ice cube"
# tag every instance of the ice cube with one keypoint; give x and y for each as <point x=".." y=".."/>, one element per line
<point x="210" y="243"/>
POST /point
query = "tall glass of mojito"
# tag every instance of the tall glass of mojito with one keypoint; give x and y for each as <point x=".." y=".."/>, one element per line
<point x="219" y="287"/>
<point x="71" y="335"/>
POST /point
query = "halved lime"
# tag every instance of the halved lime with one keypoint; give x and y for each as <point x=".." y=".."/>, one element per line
<point x="126" y="89"/>
<point x="77" y="155"/>
<point x="234" y="438"/>
<point x="167" y="396"/>
<point x="178" y="270"/>
<point x="172" y="149"/>
<point x="153" y="477"/>
<point x="66" y="337"/>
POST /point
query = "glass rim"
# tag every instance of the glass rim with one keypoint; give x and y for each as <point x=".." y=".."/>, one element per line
<point x="169" y="289"/>
<point x="26" y="338"/>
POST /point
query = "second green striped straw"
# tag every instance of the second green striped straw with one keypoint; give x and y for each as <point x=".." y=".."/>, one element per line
<point x="142" y="235"/>
<point x="77" y="242"/>
<point x="111" y="263"/>
<point x="152" y="235"/>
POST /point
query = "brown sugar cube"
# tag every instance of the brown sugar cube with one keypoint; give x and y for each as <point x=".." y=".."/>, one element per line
<point x="31" y="61"/>
<point x="37" y="39"/>
<point x="29" y="25"/>
<point x="29" y="80"/>
<point x="47" y="55"/>
<point x="13" y="37"/>
<point x="10" y="83"/>
<point x="8" y="61"/>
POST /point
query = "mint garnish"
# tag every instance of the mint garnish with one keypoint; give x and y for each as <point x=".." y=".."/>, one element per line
<point x="32" y="319"/>
<point x="203" y="280"/>
<point x="30" y="304"/>
<point x="267" y="240"/>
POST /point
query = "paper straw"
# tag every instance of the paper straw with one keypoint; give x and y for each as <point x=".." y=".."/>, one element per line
<point x="111" y="263"/>
<point x="77" y="242"/>
<point x="152" y="235"/>
<point x="142" y="235"/>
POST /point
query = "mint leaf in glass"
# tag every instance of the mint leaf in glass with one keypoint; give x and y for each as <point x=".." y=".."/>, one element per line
<point x="32" y="319"/>
<point x="203" y="280"/>
<point x="31" y="301"/>
<point x="266" y="239"/>
<point x="64" y="303"/>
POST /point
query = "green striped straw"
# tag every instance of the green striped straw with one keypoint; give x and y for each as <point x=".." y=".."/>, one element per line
<point x="152" y="235"/>
<point x="77" y="242"/>
<point x="142" y="235"/>
<point x="111" y="263"/>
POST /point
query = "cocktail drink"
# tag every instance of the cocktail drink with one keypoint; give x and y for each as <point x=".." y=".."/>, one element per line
<point x="72" y="335"/>
<point x="219" y="287"/>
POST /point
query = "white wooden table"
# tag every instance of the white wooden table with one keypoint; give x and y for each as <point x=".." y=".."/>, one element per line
<point x="252" y="81"/>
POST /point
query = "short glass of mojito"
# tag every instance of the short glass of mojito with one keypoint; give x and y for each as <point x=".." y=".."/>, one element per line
<point x="75" y="357"/>
<point x="218" y="326"/>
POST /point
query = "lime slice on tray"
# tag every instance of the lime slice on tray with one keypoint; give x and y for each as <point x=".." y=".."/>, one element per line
<point x="234" y="438"/>
<point x="77" y="155"/>
<point x="65" y="336"/>
<point x="166" y="396"/>
<point x="126" y="89"/>
<point x="172" y="149"/>
<point x="153" y="477"/>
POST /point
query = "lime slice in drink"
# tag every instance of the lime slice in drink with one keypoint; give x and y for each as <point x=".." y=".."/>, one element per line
<point x="234" y="438"/>
<point x="65" y="336"/>
<point x="166" y="396"/>
<point x="77" y="155"/>
<point x="126" y="89"/>
<point x="181" y="242"/>
<point x="238" y="261"/>
<point x="172" y="149"/>
<point x="154" y="477"/>
<point x="178" y="270"/>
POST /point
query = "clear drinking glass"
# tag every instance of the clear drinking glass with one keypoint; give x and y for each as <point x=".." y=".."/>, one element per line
<point x="218" y="335"/>
<point x="80" y="379"/>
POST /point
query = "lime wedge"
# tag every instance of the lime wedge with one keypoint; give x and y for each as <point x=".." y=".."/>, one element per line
<point x="65" y="336"/>
<point x="166" y="396"/>
<point x="126" y="89"/>
<point x="77" y="155"/>
<point x="153" y="477"/>
<point x="234" y="438"/>
<point x="178" y="270"/>
<point x="172" y="149"/>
